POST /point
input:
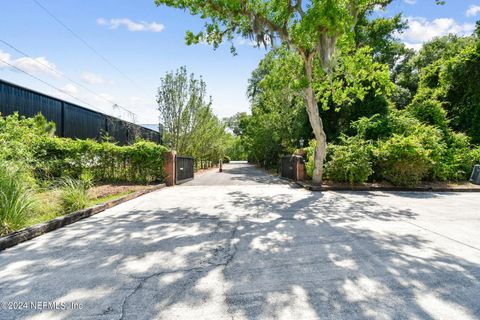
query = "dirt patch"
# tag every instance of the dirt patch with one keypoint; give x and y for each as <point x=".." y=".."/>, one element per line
<point x="105" y="190"/>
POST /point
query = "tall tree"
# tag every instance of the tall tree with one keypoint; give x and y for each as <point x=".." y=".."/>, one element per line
<point x="191" y="127"/>
<point x="309" y="28"/>
<point x="179" y="99"/>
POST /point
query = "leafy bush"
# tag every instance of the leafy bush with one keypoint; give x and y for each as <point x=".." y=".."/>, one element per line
<point x="16" y="199"/>
<point x="140" y="162"/>
<point x="350" y="161"/>
<point x="384" y="126"/>
<point x="19" y="137"/>
<point x="30" y="141"/>
<point x="402" y="160"/>
<point x="429" y="111"/>
<point x="74" y="195"/>
<point x="310" y="152"/>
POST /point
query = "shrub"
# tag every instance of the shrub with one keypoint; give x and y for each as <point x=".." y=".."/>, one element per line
<point x="140" y="162"/>
<point x="349" y="162"/>
<point x="429" y="111"/>
<point x="473" y="158"/>
<point x="310" y="152"/>
<point x="385" y="126"/>
<point x="87" y="178"/>
<point x="16" y="199"/>
<point x="402" y="160"/>
<point x="74" y="195"/>
<point x="30" y="142"/>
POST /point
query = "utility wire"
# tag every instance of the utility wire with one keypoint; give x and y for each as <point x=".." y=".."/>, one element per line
<point x="48" y="84"/>
<point x="133" y="115"/>
<point x="88" y="45"/>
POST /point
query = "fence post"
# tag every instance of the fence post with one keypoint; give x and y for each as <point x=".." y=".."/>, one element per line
<point x="169" y="167"/>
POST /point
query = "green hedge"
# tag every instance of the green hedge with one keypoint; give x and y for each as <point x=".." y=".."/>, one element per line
<point x="140" y="162"/>
<point x="30" y="142"/>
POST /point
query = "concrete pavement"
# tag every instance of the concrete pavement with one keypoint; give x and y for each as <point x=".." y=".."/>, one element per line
<point x="244" y="245"/>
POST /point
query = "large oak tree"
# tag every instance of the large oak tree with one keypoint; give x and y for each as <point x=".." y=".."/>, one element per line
<point x="309" y="28"/>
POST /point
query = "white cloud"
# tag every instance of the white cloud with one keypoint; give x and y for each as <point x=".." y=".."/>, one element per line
<point x="92" y="78"/>
<point x="422" y="30"/>
<point x="414" y="46"/>
<point x="131" y="25"/>
<point x="39" y="65"/>
<point x="410" y="1"/>
<point x="70" y="89"/>
<point x="473" y="11"/>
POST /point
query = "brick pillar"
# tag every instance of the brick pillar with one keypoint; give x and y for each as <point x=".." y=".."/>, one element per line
<point x="169" y="167"/>
<point x="301" y="171"/>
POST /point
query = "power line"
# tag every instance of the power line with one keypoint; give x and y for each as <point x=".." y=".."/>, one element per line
<point x="87" y="44"/>
<point x="48" y="84"/>
<point x="132" y="114"/>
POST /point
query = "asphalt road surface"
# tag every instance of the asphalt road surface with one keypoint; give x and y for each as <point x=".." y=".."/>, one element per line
<point x="244" y="245"/>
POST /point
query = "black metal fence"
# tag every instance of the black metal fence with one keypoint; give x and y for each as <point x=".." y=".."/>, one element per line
<point x="184" y="168"/>
<point x="288" y="166"/>
<point x="72" y="121"/>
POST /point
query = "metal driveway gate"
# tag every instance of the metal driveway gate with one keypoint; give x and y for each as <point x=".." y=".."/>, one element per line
<point x="183" y="169"/>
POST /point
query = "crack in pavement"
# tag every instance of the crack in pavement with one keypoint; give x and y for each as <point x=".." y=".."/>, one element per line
<point x="221" y="257"/>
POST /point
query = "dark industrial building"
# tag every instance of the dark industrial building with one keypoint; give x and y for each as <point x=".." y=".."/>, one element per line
<point x="72" y="121"/>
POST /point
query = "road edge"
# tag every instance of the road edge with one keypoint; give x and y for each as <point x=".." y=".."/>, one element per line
<point x="37" y="230"/>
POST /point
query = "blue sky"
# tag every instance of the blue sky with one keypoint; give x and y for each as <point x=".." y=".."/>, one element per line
<point x="144" y="41"/>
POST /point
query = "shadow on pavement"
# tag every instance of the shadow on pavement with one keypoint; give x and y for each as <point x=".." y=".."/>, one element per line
<point x="267" y="257"/>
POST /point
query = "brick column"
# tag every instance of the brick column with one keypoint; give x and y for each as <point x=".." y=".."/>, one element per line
<point x="300" y="173"/>
<point x="169" y="167"/>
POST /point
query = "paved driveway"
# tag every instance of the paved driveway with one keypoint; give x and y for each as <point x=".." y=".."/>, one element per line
<point x="251" y="247"/>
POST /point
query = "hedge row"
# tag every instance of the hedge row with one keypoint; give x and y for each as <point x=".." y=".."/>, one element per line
<point x="30" y="142"/>
<point x="140" y="162"/>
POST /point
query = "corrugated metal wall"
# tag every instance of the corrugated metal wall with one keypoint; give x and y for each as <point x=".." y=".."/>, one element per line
<point x="72" y="121"/>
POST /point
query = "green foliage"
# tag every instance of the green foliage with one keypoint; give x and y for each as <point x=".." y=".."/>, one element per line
<point x="191" y="127"/>
<point x="235" y="149"/>
<point x="310" y="31"/>
<point x="29" y="142"/>
<point x="310" y="153"/>
<point x="354" y="77"/>
<point x="60" y="157"/>
<point x="380" y="34"/>
<point x="19" y="137"/>
<point x="459" y="158"/>
<point x="16" y="197"/>
<point x="279" y="119"/>
<point x="88" y="178"/>
<point x="74" y="195"/>
<point x="429" y="111"/>
<point x="443" y="79"/>
<point x="402" y="160"/>
<point x="350" y="161"/>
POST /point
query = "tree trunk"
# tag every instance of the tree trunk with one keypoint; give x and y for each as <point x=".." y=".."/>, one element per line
<point x="315" y="122"/>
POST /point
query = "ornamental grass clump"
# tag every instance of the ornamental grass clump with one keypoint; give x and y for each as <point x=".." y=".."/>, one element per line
<point x="16" y="198"/>
<point x="74" y="194"/>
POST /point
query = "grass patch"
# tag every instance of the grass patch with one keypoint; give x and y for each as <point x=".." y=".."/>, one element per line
<point x="94" y="202"/>
<point x="49" y="205"/>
